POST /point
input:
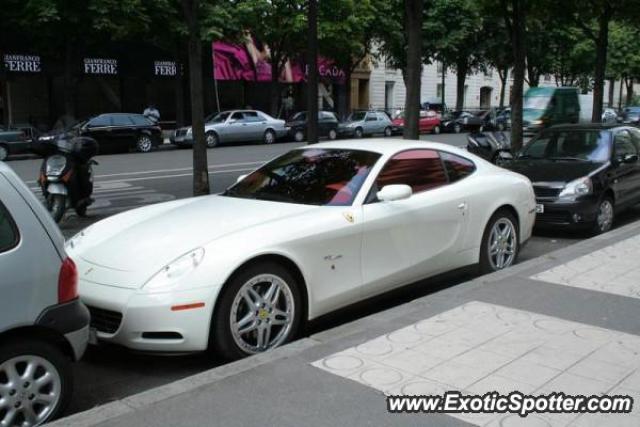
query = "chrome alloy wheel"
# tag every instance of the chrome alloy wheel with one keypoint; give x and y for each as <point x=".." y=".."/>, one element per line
<point x="30" y="390"/>
<point x="262" y="313"/>
<point x="144" y="144"/>
<point x="502" y="244"/>
<point x="605" y="215"/>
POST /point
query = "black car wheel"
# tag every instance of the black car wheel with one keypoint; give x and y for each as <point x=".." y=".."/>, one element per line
<point x="605" y="216"/>
<point x="144" y="144"/>
<point x="212" y="139"/>
<point x="269" y="136"/>
<point x="358" y="133"/>
<point x="298" y="136"/>
<point x="259" y="309"/>
<point x="4" y="153"/>
<point x="387" y="131"/>
<point x="333" y="134"/>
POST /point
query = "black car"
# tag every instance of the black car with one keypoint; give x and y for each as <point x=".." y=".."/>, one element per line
<point x="327" y="125"/>
<point x="459" y="121"/>
<point x="118" y="131"/>
<point x="631" y="115"/>
<point x="494" y="147"/>
<point x="582" y="175"/>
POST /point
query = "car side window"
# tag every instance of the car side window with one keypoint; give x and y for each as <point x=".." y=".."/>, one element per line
<point x="140" y="120"/>
<point x="100" y="121"/>
<point x="122" y="120"/>
<point x="457" y="167"/>
<point x="420" y="169"/>
<point x="371" y="117"/>
<point x="8" y="231"/>
<point x="251" y="117"/>
<point x="237" y="116"/>
<point x="623" y="145"/>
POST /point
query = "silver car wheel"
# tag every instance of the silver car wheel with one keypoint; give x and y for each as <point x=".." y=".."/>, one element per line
<point x="299" y="136"/>
<point x="502" y="244"/>
<point x="387" y="131"/>
<point x="31" y="390"/>
<point x="269" y="137"/>
<point x="359" y="133"/>
<point x="4" y="153"/>
<point x="144" y="144"/>
<point x="605" y="215"/>
<point x="211" y="139"/>
<point x="262" y="313"/>
<point x="333" y="134"/>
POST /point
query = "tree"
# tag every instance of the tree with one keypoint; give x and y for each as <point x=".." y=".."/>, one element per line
<point x="279" y="24"/>
<point x="413" y="27"/>
<point x="456" y="38"/>
<point x="514" y="13"/>
<point x="624" y="56"/>
<point x="497" y="47"/>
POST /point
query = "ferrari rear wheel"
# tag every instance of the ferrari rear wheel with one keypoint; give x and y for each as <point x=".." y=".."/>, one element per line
<point x="500" y="243"/>
<point x="259" y="309"/>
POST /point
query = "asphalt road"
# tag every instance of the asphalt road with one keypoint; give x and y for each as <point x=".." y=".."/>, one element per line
<point x="127" y="181"/>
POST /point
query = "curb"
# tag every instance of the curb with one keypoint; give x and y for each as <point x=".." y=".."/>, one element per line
<point x="103" y="413"/>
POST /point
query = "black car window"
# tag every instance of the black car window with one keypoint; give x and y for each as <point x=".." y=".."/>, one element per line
<point x="237" y="116"/>
<point x="420" y="169"/>
<point x="251" y="117"/>
<point x="570" y="145"/>
<point x="100" y="121"/>
<point x="8" y="231"/>
<point x="121" y="120"/>
<point x="623" y="145"/>
<point x="457" y="167"/>
<point x="139" y="120"/>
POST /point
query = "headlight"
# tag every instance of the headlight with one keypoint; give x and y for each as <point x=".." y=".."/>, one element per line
<point x="537" y="122"/>
<point x="75" y="241"/>
<point x="189" y="131"/>
<point x="55" y="165"/>
<point x="576" y="188"/>
<point x="47" y="138"/>
<point x="170" y="273"/>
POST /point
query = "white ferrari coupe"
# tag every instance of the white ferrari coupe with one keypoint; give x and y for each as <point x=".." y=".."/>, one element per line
<point x="316" y="229"/>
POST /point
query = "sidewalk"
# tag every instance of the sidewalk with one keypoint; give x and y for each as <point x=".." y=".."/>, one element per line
<point x="568" y="321"/>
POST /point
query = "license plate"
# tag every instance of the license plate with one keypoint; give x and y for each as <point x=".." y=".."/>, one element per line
<point x="539" y="208"/>
<point x="93" y="336"/>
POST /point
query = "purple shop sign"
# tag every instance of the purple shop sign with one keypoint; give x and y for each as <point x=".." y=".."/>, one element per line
<point x="251" y="61"/>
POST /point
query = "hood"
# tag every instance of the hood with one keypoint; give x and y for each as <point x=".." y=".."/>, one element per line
<point x="296" y="123"/>
<point x="145" y="240"/>
<point x="398" y="122"/>
<point x="551" y="170"/>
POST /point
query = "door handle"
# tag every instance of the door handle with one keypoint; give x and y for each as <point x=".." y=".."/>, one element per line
<point x="462" y="205"/>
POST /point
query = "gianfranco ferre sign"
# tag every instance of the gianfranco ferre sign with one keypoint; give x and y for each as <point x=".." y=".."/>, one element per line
<point x="22" y="63"/>
<point x="165" y="68"/>
<point x="101" y="66"/>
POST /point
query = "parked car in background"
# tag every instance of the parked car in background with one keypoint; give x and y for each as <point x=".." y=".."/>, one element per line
<point x="503" y="119"/>
<point x="547" y="106"/>
<point x="117" y="132"/>
<point x="312" y="231"/>
<point x="43" y="324"/>
<point x="234" y="126"/>
<point x="13" y="141"/>
<point x="429" y="123"/>
<point x="327" y="125"/>
<point x="583" y="175"/>
<point x="609" y="115"/>
<point x="459" y="121"/>
<point x="365" y="123"/>
<point x="434" y="105"/>
<point x="491" y="146"/>
<point x="631" y="115"/>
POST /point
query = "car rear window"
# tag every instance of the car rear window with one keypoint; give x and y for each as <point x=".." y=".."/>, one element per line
<point x="457" y="167"/>
<point x="8" y="230"/>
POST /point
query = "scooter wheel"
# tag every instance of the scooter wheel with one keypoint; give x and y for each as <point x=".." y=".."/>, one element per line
<point x="57" y="204"/>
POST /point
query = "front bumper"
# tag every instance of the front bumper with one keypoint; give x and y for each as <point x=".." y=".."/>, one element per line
<point x="146" y="322"/>
<point x="574" y="215"/>
<point x="181" y="140"/>
<point x="71" y="320"/>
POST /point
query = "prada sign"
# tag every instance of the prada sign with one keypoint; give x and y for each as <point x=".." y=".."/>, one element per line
<point x="101" y="66"/>
<point x="22" y="63"/>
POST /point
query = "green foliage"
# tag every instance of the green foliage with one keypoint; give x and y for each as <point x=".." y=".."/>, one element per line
<point x="624" y="51"/>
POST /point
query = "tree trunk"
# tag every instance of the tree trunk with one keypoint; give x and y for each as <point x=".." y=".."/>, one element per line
<point x="516" y="21"/>
<point x="347" y="95"/>
<point x="413" y="33"/>
<point x="200" y="166"/>
<point x="442" y="83"/>
<point x="462" y="71"/>
<point x="179" y="88"/>
<point x="274" y="87"/>
<point x="602" y="43"/>
<point x="612" y="83"/>
<point x="312" y="78"/>
<point x="69" y="82"/>
<point x="629" y="84"/>
<point x="504" y="75"/>
<point x="533" y="76"/>
<point x="620" y="93"/>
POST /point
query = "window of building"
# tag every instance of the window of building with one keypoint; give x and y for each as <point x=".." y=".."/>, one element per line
<point x="420" y="169"/>
<point x="8" y="230"/>
<point x="457" y="167"/>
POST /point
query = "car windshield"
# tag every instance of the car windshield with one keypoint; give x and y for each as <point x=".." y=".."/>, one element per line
<point x="536" y="102"/>
<point x="219" y="118"/>
<point x="322" y="177"/>
<point x="299" y="117"/>
<point x="357" y="116"/>
<point x="570" y="145"/>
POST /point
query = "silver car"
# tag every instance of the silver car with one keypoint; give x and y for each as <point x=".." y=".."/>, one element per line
<point x="235" y="126"/>
<point x="361" y="123"/>
<point x="43" y="324"/>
